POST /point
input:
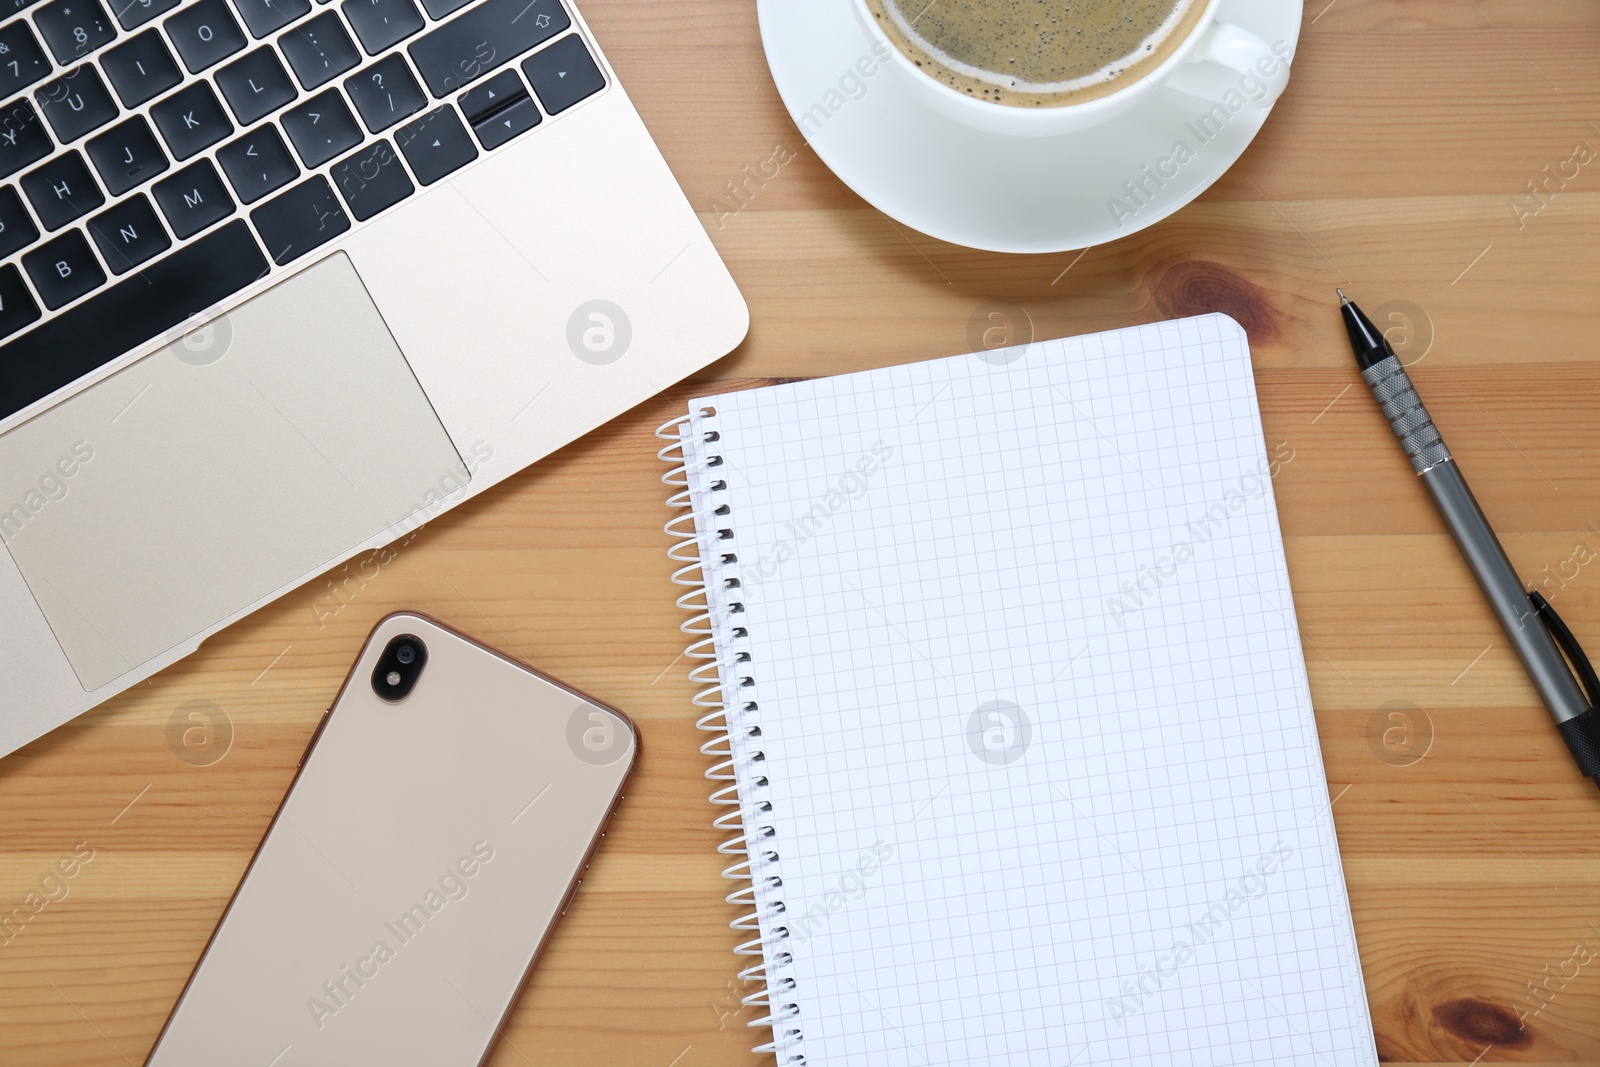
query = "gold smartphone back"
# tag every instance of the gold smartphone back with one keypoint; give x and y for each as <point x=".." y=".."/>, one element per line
<point x="411" y="876"/>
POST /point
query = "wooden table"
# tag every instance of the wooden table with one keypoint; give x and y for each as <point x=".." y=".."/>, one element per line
<point x="1397" y="165"/>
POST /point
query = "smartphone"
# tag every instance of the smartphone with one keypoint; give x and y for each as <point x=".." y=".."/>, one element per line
<point x="438" y="827"/>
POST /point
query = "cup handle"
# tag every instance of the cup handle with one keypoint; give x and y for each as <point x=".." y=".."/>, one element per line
<point x="1236" y="49"/>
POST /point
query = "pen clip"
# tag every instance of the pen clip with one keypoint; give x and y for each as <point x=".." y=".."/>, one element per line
<point x="1569" y="647"/>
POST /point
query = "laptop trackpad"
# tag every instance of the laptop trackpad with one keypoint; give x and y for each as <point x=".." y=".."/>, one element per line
<point x="211" y="474"/>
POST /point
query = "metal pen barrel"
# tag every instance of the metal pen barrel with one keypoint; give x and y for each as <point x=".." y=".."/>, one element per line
<point x="1479" y="546"/>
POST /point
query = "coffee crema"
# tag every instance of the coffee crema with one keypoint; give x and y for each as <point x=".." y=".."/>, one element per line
<point x="1037" y="53"/>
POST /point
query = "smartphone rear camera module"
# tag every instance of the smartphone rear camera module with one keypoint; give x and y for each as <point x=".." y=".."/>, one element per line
<point x="399" y="667"/>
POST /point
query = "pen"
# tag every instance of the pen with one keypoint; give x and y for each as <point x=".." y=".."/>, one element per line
<point x="1531" y="624"/>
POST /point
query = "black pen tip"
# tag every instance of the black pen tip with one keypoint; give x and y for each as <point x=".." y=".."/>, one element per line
<point x="1369" y="345"/>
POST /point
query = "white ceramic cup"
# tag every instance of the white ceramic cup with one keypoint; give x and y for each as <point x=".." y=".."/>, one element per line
<point x="1237" y="55"/>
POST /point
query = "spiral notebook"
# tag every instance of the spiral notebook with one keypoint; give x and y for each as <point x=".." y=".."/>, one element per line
<point x="1009" y="714"/>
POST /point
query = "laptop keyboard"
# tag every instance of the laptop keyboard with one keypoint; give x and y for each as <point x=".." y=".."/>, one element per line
<point x="158" y="156"/>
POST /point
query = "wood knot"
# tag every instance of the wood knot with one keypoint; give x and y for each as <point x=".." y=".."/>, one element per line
<point x="1480" y="1022"/>
<point x="1199" y="287"/>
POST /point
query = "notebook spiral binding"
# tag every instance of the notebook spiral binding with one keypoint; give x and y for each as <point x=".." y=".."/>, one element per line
<point x="708" y="549"/>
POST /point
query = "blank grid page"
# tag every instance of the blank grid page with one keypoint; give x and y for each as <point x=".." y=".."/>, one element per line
<point x="1035" y="729"/>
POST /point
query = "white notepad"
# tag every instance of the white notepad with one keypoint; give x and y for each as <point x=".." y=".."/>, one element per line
<point x="1020" y="736"/>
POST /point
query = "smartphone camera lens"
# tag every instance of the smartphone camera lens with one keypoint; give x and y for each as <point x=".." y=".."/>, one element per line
<point x="399" y="667"/>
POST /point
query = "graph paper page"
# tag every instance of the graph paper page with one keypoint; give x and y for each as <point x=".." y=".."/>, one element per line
<point x="1034" y="722"/>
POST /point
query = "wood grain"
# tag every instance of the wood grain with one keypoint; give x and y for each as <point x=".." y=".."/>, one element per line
<point x="1394" y="166"/>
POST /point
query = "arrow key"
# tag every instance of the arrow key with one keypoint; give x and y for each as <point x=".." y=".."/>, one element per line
<point x="563" y="74"/>
<point x="518" y="117"/>
<point x="500" y="91"/>
<point x="435" y="144"/>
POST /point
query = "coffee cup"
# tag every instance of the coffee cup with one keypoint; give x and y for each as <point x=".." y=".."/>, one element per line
<point x="1202" y="41"/>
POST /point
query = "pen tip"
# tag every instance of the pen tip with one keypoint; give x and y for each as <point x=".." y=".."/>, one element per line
<point x="1342" y="298"/>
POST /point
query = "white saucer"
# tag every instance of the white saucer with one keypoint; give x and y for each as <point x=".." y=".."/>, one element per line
<point x="1002" y="194"/>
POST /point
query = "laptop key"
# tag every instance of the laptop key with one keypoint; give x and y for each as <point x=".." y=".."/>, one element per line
<point x="438" y="9"/>
<point x="16" y="228"/>
<point x="471" y="45"/>
<point x="23" y="139"/>
<point x="255" y="85"/>
<point x="162" y="295"/>
<point x="270" y="16"/>
<point x="17" y="306"/>
<point x="76" y="103"/>
<point x="62" y="190"/>
<point x="436" y="144"/>
<point x="321" y="128"/>
<point x="500" y="91"/>
<point x="127" y="155"/>
<point x="191" y="120"/>
<point x="22" y="61"/>
<point x="135" y="13"/>
<point x="372" y="180"/>
<point x="205" y="34"/>
<point x="193" y="199"/>
<point x="141" y="69"/>
<point x="515" y="118"/>
<point x="499" y="109"/>
<point x="385" y="92"/>
<point x="382" y="24"/>
<point x="63" y="269"/>
<point x="563" y="74"/>
<point x="11" y="7"/>
<point x="129" y="234"/>
<point x="74" y="28"/>
<point x="319" y="50"/>
<point x="306" y="217"/>
<point x="257" y="163"/>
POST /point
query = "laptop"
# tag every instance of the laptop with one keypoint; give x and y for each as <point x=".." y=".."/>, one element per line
<point x="280" y="280"/>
